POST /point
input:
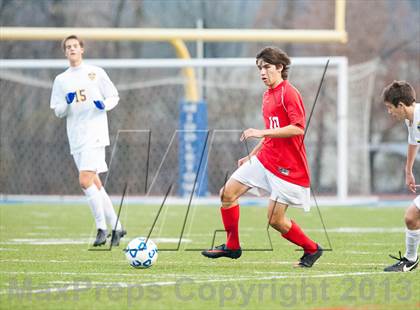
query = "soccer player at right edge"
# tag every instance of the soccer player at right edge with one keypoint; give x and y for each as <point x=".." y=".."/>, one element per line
<point x="400" y="100"/>
<point x="277" y="164"/>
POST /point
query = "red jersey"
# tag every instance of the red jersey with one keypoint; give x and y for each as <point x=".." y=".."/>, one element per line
<point x="284" y="157"/>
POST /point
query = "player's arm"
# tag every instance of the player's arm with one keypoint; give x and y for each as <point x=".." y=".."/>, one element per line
<point x="283" y="132"/>
<point x="109" y="92"/>
<point x="411" y="157"/>
<point x="59" y="101"/>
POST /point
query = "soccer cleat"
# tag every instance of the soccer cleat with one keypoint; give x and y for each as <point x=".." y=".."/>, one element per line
<point x="403" y="264"/>
<point x="100" y="237"/>
<point x="307" y="260"/>
<point x="116" y="236"/>
<point x="222" y="251"/>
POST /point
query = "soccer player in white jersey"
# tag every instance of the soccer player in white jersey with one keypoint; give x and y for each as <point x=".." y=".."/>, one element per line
<point x="400" y="100"/>
<point x="83" y="94"/>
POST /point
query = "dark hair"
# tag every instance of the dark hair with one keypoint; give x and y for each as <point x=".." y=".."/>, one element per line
<point x="275" y="56"/>
<point x="73" y="36"/>
<point x="399" y="91"/>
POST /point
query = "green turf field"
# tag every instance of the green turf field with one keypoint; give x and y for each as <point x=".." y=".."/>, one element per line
<point x="46" y="264"/>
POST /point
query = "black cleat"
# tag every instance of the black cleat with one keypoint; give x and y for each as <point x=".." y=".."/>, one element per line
<point x="403" y="264"/>
<point x="222" y="251"/>
<point x="116" y="236"/>
<point x="307" y="260"/>
<point x="100" y="237"/>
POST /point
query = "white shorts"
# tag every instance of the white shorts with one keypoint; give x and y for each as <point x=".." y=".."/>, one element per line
<point x="255" y="175"/>
<point x="91" y="160"/>
<point x="417" y="202"/>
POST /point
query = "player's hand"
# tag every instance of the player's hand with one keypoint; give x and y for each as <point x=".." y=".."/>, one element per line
<point x="243" y="160"/>
<point x="410" y="182"/>
<point x="251" y="133"/>
<point x="70" y="97"/>
<point x="99" y="104"/>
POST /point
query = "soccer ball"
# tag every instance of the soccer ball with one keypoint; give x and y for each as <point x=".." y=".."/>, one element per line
<point x="141" y="254"/>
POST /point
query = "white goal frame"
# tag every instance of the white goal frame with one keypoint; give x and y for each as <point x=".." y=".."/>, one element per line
<point x="340" y="63"/>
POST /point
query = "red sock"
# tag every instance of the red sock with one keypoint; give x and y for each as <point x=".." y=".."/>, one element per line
<point x="298" y="237"/>
<point x="230" y="218"/>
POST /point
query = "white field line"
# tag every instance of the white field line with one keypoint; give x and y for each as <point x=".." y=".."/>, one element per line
<point x="55" y="261"/>
<point x="351" y="230"/>
<point x="66" y="273"/>
<point x="45" y="227"/>
<point x="31" y="261"/>
<point x="361" y="252"/>
<point x="387" y="244"/>
<point x="192" y="281"/>
<point x="347" y="230"/>
<point x="136" y="274"/>
<point x="62" y="241"/>
<point x="122" y="262"/>
<point x="321" y="263"/>
<point x="46" y="241"/>
<point x="41" y="234"/>
<point x="246" y="231"/>
<point x="82" y="287"/>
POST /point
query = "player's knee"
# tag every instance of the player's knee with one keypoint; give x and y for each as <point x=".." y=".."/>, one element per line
<point x="412" y="218"/>
<point x="85" y="181"/>
<point x="226" y="196"/>
<point x="272" y="222"/>
<point x="221" y="193"/>
<point x="277" y="223"/>
<point x="410" y="221"/>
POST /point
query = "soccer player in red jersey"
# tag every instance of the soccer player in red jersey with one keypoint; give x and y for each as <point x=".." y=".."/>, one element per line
<point x="277" y="164"/>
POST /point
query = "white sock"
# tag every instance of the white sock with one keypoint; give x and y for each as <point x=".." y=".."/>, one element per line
<point x="110" y="215"/>
<point x="94" y="199"/>
<point x="412" y="239"/>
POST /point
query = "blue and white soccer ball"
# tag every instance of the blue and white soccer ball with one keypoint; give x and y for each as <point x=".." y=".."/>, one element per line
<point x="141" y="254"/>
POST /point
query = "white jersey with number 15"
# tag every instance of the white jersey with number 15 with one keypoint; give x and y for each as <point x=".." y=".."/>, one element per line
<point x="87" y="126"/>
